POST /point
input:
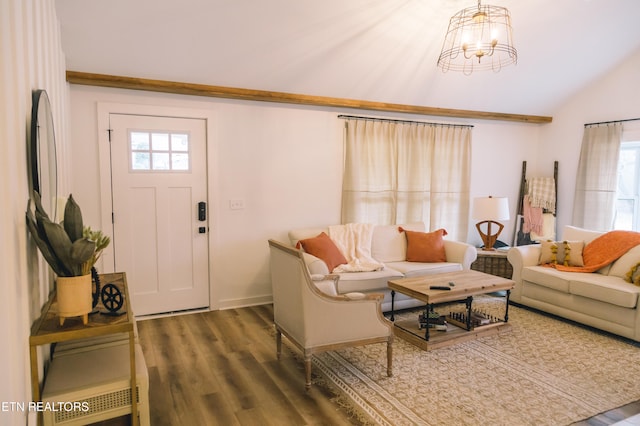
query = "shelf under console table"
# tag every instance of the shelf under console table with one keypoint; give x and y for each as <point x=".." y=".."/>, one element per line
<point x="47" y="330"/>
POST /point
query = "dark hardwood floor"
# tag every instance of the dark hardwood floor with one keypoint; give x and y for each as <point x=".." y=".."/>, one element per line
<point x="220" y="368"/>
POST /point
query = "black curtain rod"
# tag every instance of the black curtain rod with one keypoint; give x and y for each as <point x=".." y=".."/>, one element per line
<point x="354" y="117"/>
<point x="610" y="122"/>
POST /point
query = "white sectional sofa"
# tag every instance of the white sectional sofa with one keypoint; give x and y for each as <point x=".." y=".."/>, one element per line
<point x="602" y="299"/>
<point x="388" y="246"/>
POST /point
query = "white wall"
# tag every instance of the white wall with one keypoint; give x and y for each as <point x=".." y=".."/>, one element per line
<point x="285" y="162"/>
<point x="30" y="58"/>
<point x="615" y="96"/>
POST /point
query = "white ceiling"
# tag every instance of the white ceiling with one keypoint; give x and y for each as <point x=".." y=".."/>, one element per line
<point x="376" y="50"/>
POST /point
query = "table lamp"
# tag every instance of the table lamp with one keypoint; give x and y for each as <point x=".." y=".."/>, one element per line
<point x="489" y="210"/>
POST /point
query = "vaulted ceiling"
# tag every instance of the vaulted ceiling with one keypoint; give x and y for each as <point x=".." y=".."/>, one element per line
<point x="374" y="50"/>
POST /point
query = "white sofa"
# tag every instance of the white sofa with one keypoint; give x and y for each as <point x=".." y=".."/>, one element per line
<point x="601" y="299"/>
<point x="389" y="247"/>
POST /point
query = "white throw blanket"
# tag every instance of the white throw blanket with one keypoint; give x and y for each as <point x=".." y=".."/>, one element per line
<point x="354" y="241"/>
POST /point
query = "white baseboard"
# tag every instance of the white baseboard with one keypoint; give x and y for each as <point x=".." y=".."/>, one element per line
<point x="244" y="302"/>
<point x="171" y="314"/>
<point x="224" y="304"/>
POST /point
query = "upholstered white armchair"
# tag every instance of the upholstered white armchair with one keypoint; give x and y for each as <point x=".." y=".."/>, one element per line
<point x="317" y="321"/>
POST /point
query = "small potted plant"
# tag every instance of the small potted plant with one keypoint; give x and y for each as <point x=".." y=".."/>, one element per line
<point x="71" y="250"/>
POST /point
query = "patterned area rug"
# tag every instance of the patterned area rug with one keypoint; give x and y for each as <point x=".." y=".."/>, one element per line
<point x="542" y="372"/>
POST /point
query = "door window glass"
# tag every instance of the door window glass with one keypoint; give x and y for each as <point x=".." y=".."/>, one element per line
<point x="159" y="151"/>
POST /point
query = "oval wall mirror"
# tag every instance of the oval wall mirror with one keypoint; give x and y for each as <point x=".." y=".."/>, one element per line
<point x="41" y="153"/>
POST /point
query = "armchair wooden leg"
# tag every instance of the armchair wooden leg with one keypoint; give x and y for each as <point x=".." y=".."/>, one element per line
<point x="278" y="343"/>
<point x="390" y="357"/>
<point x="307" y="371"/>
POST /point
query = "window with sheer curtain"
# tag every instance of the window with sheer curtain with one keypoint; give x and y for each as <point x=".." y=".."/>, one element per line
<point x="627" y="211"/>
<point x="400" y="172"/>
<point x="597" y="177"/>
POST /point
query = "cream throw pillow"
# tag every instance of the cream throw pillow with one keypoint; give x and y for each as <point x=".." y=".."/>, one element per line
<point x="622" y="266"/>
<point x="568" y="253"/>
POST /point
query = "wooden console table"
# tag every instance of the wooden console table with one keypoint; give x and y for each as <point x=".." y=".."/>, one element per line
<point x="47" y="330"/>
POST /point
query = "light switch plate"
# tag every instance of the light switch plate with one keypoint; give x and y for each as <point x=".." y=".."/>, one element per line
<point x="236" y="204"/>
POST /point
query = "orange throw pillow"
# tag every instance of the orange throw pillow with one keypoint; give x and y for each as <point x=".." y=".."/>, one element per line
<point x="323" y="248"/>
<point x="425" y="246"/>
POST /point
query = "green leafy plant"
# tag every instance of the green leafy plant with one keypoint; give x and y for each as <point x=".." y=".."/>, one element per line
<point x="68" y="247"/>
<point x="101" y="240"/>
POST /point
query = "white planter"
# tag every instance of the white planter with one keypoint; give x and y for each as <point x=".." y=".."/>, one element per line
<point x="74" y="297"/>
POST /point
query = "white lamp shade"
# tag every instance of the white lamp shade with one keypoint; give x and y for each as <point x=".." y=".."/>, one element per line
<point x="491" y="208"/>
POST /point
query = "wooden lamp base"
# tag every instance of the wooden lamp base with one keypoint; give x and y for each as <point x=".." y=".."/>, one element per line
<point x="488" y="239"/>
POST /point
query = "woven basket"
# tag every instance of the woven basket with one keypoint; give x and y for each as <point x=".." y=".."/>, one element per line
<point x="494" y="265"/>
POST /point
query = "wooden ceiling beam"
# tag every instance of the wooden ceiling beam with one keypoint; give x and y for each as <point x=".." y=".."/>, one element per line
<point x="103" y="80"/>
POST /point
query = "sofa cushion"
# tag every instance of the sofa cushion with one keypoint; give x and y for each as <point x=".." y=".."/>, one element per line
<point x="425" y="246"/>
<point x="547" y="277"/>
<point x="325" y="285"/>
<point x="595" y="286"/>
<point x="415" y="269"/>
<point x="315" y="265"/>
<point x="622" y="266"/>
<point x="564" y="252"/>
<point x="388" y="244"/>
<point x="609" y="289"/>
<point x="574" y="233"/>
<point x="324" y="248"/>
<point x="366" y="281"/>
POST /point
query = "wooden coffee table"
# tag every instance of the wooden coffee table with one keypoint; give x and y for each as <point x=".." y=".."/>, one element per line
<point x="461" y="326"/>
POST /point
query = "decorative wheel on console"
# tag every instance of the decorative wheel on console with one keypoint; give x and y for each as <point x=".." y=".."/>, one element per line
<point x="112" y="297"/>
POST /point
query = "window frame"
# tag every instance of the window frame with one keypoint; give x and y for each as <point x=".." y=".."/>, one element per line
<point x="634" y="196"/>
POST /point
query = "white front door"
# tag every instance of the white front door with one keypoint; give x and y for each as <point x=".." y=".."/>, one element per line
<point x="160" y="210"/>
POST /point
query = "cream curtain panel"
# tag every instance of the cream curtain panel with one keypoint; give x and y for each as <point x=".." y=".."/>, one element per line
<point x="402" y="172"/>
<point x="596" y="182"/>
